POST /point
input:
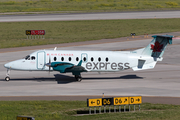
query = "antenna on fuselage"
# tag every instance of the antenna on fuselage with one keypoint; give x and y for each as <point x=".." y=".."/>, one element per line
<point x="55" y="48"/>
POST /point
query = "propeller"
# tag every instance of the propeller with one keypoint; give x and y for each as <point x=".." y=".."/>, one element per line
<point x="49" y="64"/>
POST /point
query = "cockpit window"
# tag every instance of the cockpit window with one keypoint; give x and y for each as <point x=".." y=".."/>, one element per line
<point x="27" y="57"/>
<point x="32" y="58"/>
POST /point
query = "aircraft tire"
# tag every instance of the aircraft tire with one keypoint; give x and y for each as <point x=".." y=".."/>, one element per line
<point x="78" y="78"/>
<point x="7" y="78"/>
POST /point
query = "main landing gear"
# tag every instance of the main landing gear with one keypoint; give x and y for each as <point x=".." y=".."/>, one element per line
<point x="7" y="78"/>
<point x="78" y="78"/>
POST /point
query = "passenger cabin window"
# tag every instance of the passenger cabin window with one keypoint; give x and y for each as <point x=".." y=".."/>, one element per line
<point x="27" y="57"/>
<point x="77" y="59"/>
<point x="84" y="59"/>
<point x="99" y="59"/>
<point x="55" y="58"/>
<point x="69" y="58"/>
<point x="92" y="59"/>
<point x="33" y="58"/>
<point x="107" y="59"/>
<point x="62" y="59"/>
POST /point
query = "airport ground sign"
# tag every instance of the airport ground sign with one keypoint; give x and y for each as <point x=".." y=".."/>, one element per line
<point x="135" y="100"/>
<point x="121" y="100"/>
<point x="107" y="101"/>
<point x="94" y="102"/>
<point x="35" y="32"/>
<point x="38" y="33"/>
<point x="114" y="101"/>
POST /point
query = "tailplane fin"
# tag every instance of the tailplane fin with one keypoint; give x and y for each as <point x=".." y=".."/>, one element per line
<point x="153" y="52"/>
<point x="157" y="46"/>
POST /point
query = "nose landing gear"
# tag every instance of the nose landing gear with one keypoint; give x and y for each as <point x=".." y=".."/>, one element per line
<point x="7" y="78"/>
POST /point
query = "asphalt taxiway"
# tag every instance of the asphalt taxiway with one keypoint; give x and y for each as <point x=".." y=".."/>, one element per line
<point x="90" y="16"/>
<point x="162" y="81"/>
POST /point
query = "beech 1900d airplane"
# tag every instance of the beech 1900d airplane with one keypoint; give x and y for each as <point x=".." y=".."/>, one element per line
<point x="77" y="62"/>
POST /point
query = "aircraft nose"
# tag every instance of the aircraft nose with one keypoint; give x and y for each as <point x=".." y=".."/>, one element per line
<point x="6" y="65"/>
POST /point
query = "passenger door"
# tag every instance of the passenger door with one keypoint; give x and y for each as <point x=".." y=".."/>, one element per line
<point x="41" y="60"/>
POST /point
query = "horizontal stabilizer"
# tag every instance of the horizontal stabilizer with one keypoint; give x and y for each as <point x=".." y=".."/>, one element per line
<point x="142" y="66"/>
<point x="152" y="53"/>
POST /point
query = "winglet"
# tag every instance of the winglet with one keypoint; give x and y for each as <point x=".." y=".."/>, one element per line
<point x="79" y="64"/>
<point x="55" y="48"/>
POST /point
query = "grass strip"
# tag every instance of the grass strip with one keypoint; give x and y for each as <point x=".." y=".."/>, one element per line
<point x="67" y="110"/>
<point x="13" y="33"/>
<point x="86" y="5"/>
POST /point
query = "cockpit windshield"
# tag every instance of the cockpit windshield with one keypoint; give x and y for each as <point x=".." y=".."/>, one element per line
<point x="27" y="57"/>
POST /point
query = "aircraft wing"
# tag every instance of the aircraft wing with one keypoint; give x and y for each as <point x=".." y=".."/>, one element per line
<point x="64" y="67"/>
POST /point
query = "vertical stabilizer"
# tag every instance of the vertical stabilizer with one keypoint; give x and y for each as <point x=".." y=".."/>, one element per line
<point x="153" y="52"/>
<point x="157" y="46"/>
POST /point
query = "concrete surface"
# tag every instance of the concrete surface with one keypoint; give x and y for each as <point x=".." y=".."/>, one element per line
<point x="163" y="80"/>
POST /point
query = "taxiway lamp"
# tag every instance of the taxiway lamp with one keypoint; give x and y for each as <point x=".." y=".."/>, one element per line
<point x="133" y="35"/>
<point x="145" y="35"/>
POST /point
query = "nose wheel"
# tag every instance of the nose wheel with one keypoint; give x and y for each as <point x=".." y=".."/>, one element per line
<point x="78" y="78"/>
<point x="7" y="78"/>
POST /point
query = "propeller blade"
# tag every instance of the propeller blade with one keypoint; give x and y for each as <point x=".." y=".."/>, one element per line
<point x="50" y="59"/>
<point x="49" y="63"/>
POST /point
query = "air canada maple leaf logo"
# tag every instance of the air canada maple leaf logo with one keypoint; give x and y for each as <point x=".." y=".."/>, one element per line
<point x="157" y="47"/>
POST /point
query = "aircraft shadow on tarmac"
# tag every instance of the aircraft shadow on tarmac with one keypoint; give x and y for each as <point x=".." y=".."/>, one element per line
<point x="64" y="79"/>
<point x="121" y="77"/>
<point x="61" y="79"/>
<point x="131" y="77"/>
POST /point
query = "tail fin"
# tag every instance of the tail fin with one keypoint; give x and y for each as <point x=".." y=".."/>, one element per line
<point x="153" y="52"/>
<point x="157" y="46"/>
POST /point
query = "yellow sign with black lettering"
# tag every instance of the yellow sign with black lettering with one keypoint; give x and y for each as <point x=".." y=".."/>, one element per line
<point x="28" y="32"/>
<point x="135" y="100"/>
<point x="107" y="101"/>
<point x="94" y="102"/>
<point x="121" y="100"/>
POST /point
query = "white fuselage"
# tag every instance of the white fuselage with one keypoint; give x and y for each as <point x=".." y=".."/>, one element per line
<point x="94" y="61"/>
